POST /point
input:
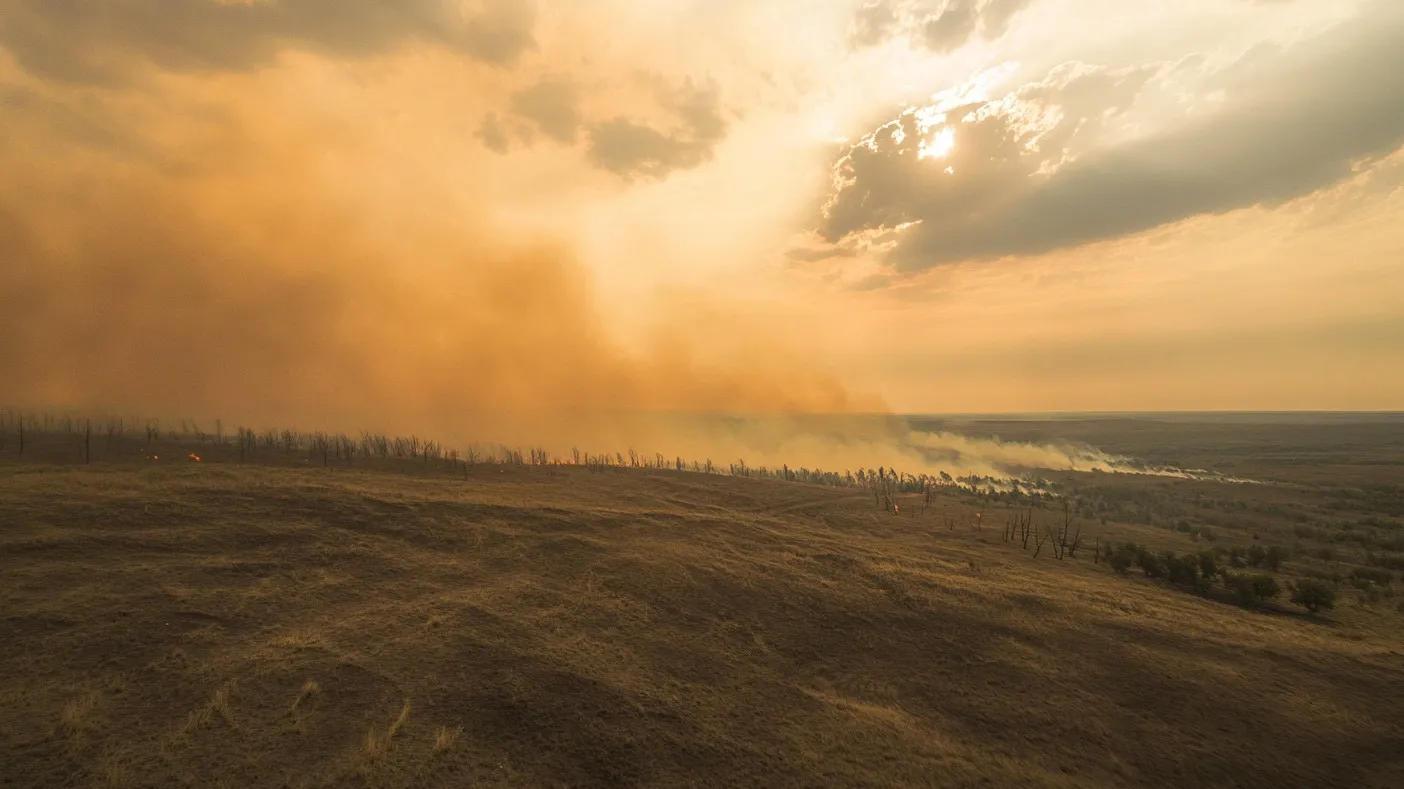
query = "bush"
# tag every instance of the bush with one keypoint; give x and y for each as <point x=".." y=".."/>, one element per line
<point x="1181" y="570"/>
<point x="1372" y="575"/>
<point x="1387" y="560"/>
<point x="1313" y="595"/>
<point x="1122" y="558"/>
<point x="1333" y="578"/>
<point x="1208" y="564"/>
<point x="1252" y="589"/>
<point x="1257" y="555"/>
<point x="1265" y="586"/>
<point x="1151" y="563"/>
<point x="1271" y="558"/>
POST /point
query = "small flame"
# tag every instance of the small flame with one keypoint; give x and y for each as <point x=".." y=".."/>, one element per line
<point x="194" y="457"/>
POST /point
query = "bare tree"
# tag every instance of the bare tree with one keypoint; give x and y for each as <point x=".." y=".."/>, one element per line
<point x="1026" y="528"/>
<point x="1064" y="538"/>
<point x="113" y="430"/>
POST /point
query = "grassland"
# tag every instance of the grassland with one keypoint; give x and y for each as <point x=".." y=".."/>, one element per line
<point x="227" y="624"/>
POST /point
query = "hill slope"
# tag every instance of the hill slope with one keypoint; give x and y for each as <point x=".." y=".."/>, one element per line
<point x="210" y="625"/>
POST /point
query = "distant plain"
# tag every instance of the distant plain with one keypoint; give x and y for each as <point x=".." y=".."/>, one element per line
<point x="279" y="623"/>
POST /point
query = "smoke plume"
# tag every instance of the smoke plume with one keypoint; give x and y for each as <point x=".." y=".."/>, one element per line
<point x="216" y="246"/>
<point x="274" y="268"/>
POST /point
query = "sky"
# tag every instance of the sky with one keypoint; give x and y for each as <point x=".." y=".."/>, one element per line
<point x="419" y="214"/>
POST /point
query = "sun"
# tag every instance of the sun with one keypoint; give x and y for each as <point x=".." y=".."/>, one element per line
<point x="939" y="146"/>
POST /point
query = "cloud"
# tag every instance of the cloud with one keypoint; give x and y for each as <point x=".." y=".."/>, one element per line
<point x="290" y="267"/>
<point x="950" y="27"/>
<point x="1036" y="171"/>
<point x="875" y="22"/>
<point x="105" y="41"/>
<point x="937" y="25"/>
<point x="627" y="147"/>
<point x="953" y="161"/>
<point x="494" y="135"/>
<point x="553" y="105"/>
<point x="632" y="149"/>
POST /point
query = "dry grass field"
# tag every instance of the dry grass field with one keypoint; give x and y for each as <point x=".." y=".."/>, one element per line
<point x="219" y="624"/>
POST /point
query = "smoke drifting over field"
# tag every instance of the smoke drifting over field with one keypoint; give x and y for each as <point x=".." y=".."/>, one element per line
<point x="213" y="246"/>
<point x="273" y="267"/>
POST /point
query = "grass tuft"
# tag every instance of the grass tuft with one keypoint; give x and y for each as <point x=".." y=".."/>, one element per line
<point x="309" y="689"/>
<point x="446" y="738"/>
<point x="77" y="715"/>
<point x="400" y="721"/>
<point x="376" y="745"/>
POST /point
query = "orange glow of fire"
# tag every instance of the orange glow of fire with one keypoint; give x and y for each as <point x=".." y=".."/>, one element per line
<point x="194" y="457"/>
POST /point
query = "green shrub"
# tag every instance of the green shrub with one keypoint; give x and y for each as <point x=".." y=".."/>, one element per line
<point x="1313" y="595"/>
<point x="1181" y="570"/>
<point x="1121" y="560"/>
<point x="1208" y="564"/>
<point x="1252" y="589"/>
<point x="1265" y="586"/>
<point x="1257" y="555"/>
<point x="1151" y="563"/>
<point x="1274" y="557"/>
<point x="1374" y="575"/>
<point x="1333" y="578"/>
<point x="1391" y="561"/>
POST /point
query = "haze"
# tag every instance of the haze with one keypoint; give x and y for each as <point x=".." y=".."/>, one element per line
<point x="500" y="215"/>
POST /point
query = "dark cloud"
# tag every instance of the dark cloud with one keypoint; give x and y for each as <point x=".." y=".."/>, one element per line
<point x="1027" y="176"/>
<point x="624" y="146"/>
<point x="553" y="106"/>
<point x="938" y="25"/>
<point x="997" y="14"/>
<point x="635" y="150"/>
<point x="88" y="128"/>
<point x="952" y="26"/>
<point x="103" y="40"/>
<point x="818" y="254"/>
<point x="875" y="22"/>
<point x="887" y="183"/>
<point x="493" y="134"/>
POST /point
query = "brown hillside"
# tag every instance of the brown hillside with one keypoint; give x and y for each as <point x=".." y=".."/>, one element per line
<point x="224" y="625"/>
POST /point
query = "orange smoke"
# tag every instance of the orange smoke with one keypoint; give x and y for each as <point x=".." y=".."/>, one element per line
<point x="243" y="256"/>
